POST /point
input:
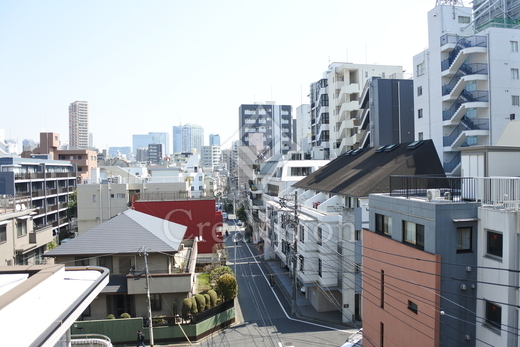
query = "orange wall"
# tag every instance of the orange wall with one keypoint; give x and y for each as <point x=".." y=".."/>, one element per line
<point x="404" y="279"/>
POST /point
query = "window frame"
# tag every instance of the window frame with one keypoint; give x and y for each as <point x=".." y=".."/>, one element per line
<point x="419" y="90"/>
<point x="21" y="227"/>
<point x="383" y="224"/>
<point x="320" y="268"/>
<point x="155" y="302"/>
<point x="514" y="73"/>
<point x="302" y="234"/>
<point x="460" y="244"/>
<point x="515" y="100"/>
<point x="420" y="113"/>
<point x="319" y="236"/>
<point x="412" y="306"/>
<point x="491" y="250"/>
<point x="491" y="320"/>
<point x="3" y="233"/>
<point x="417" y="231"/>
<point x="513" y="45"/>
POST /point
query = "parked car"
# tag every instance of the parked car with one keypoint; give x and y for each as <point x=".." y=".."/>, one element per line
<point x="355" y="339"/>
<point x="239" y="223"/>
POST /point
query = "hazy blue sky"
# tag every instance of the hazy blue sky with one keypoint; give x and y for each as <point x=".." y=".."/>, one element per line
<point x="148" y="65"/>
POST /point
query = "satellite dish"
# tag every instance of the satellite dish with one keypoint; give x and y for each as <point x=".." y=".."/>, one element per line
<point x="18" y="207"/>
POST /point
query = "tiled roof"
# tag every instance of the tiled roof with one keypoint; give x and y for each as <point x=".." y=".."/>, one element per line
<point x="125" y="233"/>
<point x="369" y="170"/>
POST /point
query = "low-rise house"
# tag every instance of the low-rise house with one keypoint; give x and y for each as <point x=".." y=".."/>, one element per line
<point x="120" y="244"/>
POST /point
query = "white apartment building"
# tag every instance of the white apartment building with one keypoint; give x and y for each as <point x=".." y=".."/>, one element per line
<point x="467" y="84"/>
<point x="210" y="157"/>
<point x="335" y="112"/>
<point x="78" y="125"/>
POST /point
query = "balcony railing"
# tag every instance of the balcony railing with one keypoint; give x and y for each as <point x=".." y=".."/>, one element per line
<point x="465" y="70"/>
<point x="466" y="42"/>
<point x="452" y="164"/>
<point x="466" y="124"/>
<point x="464" y="97"/>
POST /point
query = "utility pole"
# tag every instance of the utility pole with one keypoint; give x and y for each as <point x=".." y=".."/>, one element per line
<point x="294" y="253"/>
<point x="147" y="284"/>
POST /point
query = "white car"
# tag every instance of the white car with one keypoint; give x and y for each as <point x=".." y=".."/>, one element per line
<point x="355" y="339"/>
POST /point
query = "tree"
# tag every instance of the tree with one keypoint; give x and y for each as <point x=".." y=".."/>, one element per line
<point x="201" y="302"/>
<point x="72" y="206"/>
<point x="241" y="213"/>
<point x="221" y="270"/>
<point x="186" y="307"/>
<point x="208" y="301"/>
<point x="227" y="287"/>
<point x="213" y="297"/>
<point x="194" y="308"/>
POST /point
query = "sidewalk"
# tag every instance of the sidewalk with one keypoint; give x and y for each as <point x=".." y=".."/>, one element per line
<point x="304" y="308"/>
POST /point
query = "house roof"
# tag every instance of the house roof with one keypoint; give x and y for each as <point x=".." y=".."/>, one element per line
<point x="125" y="233"/>
<point x="368" y="171"/>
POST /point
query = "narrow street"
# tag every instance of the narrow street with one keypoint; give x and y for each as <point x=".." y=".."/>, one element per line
<point x="262" y="318"/>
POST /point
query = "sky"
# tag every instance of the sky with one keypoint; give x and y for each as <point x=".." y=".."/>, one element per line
<point x="145" y="66"/>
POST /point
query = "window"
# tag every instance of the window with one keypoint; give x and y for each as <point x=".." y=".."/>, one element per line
<point x="93" y="198"/>
<point x="494" y="244"/>
<point x="383" y="224"/>
<point x="382" y="334"/>
<point x="300" y="171"/>
<point x="302" y="263"/>
<point x="358" y="235"/>
<point x="413" y="234"/>
<point x="420" y="70"/>
<point x="3" y="233"/>
<point x="419" y="91"/>
<point x="319" y="268"/>
<point x="420" y="113"/>
<point x="120" y="195"/>
<point x="21" y="227"/>
<point x="463" y="240"/>
<point x="81" y="261"/>
<point x="515" y="100"/>
<point x="412" y="306"/>
<point x="320" y="236"/>
<point x="493" y="315"/>
<point x="382" y="304"/>
<point x="464" y="19"/>
<point x="420" y="136"/>
<point x="111" y="196"/>
<point x="514" y="46"/>
<point x="155" y="302"/>
<point x="357" y="268"/>
<point x="514" y="74"/>
<point x="302" y="234"/>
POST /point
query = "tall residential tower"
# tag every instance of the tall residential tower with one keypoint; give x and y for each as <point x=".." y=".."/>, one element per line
<point x="78" y="125"/>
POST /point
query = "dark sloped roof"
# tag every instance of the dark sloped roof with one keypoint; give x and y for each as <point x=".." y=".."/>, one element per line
<point x="369" y="171"/>
<point x="125" y="233"/>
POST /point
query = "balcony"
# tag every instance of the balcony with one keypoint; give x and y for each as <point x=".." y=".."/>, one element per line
<point x="466" y="73"/>
<point x="467" y="100"/>
<point x="464" y="47"/>
<point x="41" y="236"/>
<point x="163" y="283"/>
<point x="467" y="127"/>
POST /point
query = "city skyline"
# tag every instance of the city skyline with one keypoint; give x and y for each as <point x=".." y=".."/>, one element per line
<point x="141" y="67"/>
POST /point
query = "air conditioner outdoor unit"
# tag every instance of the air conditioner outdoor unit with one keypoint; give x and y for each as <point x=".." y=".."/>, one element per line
<point x="433" y="194"/>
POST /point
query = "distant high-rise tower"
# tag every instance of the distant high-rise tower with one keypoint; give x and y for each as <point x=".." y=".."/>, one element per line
<point x="192" y="137"/>
<point x="78" y="125"/>
<point x="214" y="140"/>
<point x="177" y="139"/>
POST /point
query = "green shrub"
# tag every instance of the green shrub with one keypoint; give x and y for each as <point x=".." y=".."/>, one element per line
<point x="125" y="315"/>
<point x="227" y="287"/>
<point x="159" y="320"/>
<point x="201" y="302"/>
<point x="208" y="301"/>
<point x="186" y="307"/>
<point x="221" y="270"/>
<point x="111" y="316"/>
<point x="194" y="308"/>
<point x="213" y="297"/>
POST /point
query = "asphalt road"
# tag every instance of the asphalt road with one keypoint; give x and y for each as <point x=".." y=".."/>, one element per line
<point x="262" y="318"/>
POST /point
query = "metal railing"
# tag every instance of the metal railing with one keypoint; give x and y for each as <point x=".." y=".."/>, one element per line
<point x="464" y="97"/>
<point x="465" y="70"/>
<point x="466" y="124"/>
<point x="466" y="42"/>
